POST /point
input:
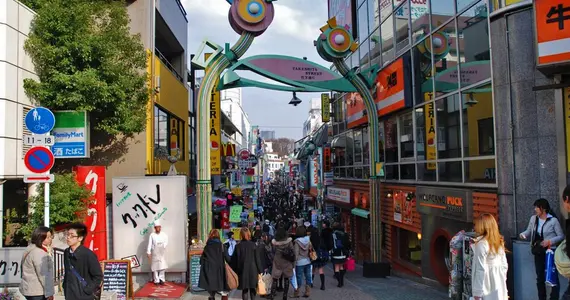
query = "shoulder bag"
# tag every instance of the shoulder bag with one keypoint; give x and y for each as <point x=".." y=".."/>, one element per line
<point x="231" y="277"/>
<point x="536" y="247"/>
<point x="312" y="253"/>
<point x="96" y="291"/>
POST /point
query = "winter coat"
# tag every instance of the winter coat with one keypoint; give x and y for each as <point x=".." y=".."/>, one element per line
<point x="281" y="266"/>
<point x="248" y="264"/>
<point x="489" y="273"/>
<point x="86" y="264"/>
<point x="344" y="251"/>
<point x="326" y="236"/>
<point x="302" y="251"/>
<point x="37" y="273"/>
<point x="265" y="253"/>
<point x="212" y="267"/>
<point x="551" y="230"/>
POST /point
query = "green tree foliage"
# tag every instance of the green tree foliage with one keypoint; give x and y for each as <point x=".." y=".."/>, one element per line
<point x="68" y="203"/>
<point x="87" y="60"/>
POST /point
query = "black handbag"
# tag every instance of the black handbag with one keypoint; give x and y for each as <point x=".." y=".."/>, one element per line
<point x="536" y="248"/>
<point x="96" y="292"/>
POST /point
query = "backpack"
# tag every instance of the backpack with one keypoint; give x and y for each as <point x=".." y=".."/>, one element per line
<point x="288" y="254"/>
<point x="337" y="241"/>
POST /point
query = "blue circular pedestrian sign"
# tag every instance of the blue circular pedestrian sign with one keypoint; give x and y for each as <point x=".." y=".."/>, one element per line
<point x="40" y="120"/>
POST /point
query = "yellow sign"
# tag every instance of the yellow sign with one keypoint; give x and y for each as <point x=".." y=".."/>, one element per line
<point x="237" y="234"/>
<point x="567" y="124"/>
<point x="215" y="134"/>
<point x="325" y="108"/>
<point x="431" y="150"/>
<point x="236" y="191"/>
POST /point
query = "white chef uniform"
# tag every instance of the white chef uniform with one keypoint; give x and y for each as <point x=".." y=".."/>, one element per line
<point x="157" y="247"/>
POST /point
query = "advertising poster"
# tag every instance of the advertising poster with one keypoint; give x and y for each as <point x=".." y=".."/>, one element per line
<point x="398" y="206"/>
<point x="215" y="134"/>
<point x="342" y="10"/>
<point x="355" y="110"/>
<point x="431" y="150"/>
<point x="237" y="234"/>
<point x="408" y="209"/>
<point x="235" y="213"/>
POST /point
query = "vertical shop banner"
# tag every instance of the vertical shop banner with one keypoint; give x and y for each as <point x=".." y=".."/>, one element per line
<point x="325" y="108"/>
<point x="314" y="171"/>
<point x="552" y="25"/>
<point x="407" y="214"/>
<point x="93" y="177"/>
<point x="398" y="206"/>
<point x="327" y="165"/>
<point x="429" y="142"/>
<point x="215" y="134"/>
<point x="566" y="96"/>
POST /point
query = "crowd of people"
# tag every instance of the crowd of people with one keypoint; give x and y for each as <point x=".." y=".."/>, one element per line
<point x="292" y="250"/>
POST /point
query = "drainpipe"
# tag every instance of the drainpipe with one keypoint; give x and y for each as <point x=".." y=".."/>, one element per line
<point x="152" y="76"/>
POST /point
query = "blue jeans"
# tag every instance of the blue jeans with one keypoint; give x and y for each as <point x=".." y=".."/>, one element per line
<point x="301" y="271"/>
<point x="566" y="295"/>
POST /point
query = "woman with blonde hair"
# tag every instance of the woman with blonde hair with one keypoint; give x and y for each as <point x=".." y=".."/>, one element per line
<point x="489" y="275"/>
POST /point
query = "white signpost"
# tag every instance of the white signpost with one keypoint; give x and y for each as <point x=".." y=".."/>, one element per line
<point x="39" y="159"/>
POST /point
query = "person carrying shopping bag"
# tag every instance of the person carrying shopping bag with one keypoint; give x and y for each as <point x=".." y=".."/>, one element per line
<point x="544" y="232"/>
<point x="489" y="273"/>
<point x="562" y="253"/>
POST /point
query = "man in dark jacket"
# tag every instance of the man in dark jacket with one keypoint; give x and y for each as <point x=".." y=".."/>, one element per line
<point x="83" y="275"/>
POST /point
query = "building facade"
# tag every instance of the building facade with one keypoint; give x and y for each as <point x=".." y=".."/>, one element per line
<point x="314" y="119"/>
<point x="267" y="134"/>
<point x="15" y="66"/>
<point x="232" y="106"/>
<point x="455" y="126"/>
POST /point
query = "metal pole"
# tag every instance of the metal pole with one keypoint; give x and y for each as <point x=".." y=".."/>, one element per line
<point x="46" y="204"/>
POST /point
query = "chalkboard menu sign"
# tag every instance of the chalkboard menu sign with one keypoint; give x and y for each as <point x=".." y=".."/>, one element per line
<point x="117" y="278"/>
<point x="195" y="272"/>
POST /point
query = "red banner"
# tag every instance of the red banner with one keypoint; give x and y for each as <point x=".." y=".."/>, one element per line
<point x="94" y="179"/>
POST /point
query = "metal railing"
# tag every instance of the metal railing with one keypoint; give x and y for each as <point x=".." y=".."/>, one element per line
<point x="58" y="265"/>
<point x="168" y="65"/>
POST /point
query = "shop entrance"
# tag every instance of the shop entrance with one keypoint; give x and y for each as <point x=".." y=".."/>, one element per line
<point x="439" y="255"/>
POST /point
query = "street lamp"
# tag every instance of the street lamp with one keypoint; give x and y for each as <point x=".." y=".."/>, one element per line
<point x="295" y="101"/>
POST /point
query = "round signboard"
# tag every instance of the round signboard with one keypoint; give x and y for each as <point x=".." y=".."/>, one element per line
<point x="244" y="154"/>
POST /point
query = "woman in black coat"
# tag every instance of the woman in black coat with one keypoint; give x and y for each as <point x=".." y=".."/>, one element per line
<point x="212" y="266"/>
<point x="248" y="264"/>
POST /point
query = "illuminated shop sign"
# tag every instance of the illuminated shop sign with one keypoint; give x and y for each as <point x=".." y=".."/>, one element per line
<point x="453" y="204"/>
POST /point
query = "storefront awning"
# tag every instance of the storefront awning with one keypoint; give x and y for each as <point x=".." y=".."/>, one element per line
<point x="363" y="213"/>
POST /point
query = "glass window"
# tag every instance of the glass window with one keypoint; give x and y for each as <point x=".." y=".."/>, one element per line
<point x="364" y="50"/>
<point x="426" y="171"/>
<point x="408" y="172"/>
<point x="462" y="4"/>
<point x="386" y="7"/>
<point x="391" y="172"/>
<point x="478" y="129"/>
<point x="445" y="56"/>
<point x="420" y="20"/>
<point x="402" y="15"/>
<point x="373" y="15"/>
<point x="423" y="85"/>
<point x="475" y="56"/>
<point x="448" y="127"/>
<point x="362" y="22"/>
<point x="409" y="247"/>
<point x="366" y="147"/>
<point x="381" y="141"/>
<point x="355" y="59"/>
<point x="450" y="171"/>
<point x="349" y="148"/>
<point x="391" y="142"/>
<point x="357" y="147"/>
<point x="406" y="136"/>
<point x="442" y="11"/>
<point x="160" y="129"/>
<point x="387" y="30"/>
<point x="480" y="171"/>
<point x="169" y="134"/>
<point x="425" y="132"/>
<point x="375" y="48"/>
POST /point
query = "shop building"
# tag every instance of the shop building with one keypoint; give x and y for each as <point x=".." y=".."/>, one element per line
<point x="434" y="99"/>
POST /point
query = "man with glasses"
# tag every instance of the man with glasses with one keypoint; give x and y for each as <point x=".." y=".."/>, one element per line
<point x="83" y="274"/>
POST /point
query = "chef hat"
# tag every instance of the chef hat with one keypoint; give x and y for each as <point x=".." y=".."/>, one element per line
<point x="157" y="223"/>
<point x="307" y="224"/>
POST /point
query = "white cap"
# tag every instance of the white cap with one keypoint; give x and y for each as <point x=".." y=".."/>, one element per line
<point x="157" y="223"/>
<point x="307" y="224"/>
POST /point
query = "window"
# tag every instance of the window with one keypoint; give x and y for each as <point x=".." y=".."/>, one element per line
<point x="169" y="135"/>
<point x="409" y="247"/>
<point x="357" y="147"/>
<point x="402" y="15"/>
<point x="362" y="22"/>
<point x="406" y="130"/>
<point x="387" y="31"/>
<point x="391" y="142"/>
<point x="486" y="136"/>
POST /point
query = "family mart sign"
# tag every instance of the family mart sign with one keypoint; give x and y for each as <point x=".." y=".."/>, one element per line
<point x="71" y="133"/>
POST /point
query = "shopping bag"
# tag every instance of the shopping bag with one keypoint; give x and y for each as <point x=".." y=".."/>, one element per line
<point x="550" y="269"/>
<point x="231" y="278"/>
<point x="350" y="264"/>
<point x="261" y="287"/>
<point x="294" y="279"/>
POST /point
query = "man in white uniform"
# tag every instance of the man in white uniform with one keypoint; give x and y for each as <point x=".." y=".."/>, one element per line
<point x="156" y="252"/>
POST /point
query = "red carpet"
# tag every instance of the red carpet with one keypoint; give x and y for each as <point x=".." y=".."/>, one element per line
<point x="169" y="290"/>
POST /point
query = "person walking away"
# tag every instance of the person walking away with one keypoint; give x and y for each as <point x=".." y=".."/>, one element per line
<point x="562" y="254"/>
<point x="340" y="251"/>
<point x="489" y="273"/>
<point x="263" y="250"/>
<point x="156" y="251"/>
<point x="83" y="274"/>
<point x="544" y="232"/>
<point x="322" y="256"/>
<point x="326" y="236"/>
<point x="248" y="265"/>
<point x="303" y="262"/>
<point x="212" y="267"/>
<point x="37" y="267"/>
<point x="283" y="261"/>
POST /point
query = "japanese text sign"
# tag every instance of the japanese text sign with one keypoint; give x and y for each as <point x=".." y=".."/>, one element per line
<point x="325" y="108"/>
<point x="235" y="213"/>
<point x="552" y="19"/>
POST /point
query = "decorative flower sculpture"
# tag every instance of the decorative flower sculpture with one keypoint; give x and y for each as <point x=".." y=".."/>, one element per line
<point x="335" y="42"/>
<point x="253" y="16"/>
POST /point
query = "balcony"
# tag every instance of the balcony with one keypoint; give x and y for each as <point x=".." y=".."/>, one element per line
<point x="169" y="65"/>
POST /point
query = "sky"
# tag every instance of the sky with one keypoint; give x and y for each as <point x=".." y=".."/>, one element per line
<point x="294" y="28"/>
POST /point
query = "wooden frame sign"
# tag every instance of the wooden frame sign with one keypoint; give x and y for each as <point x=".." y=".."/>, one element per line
<point x="117" y="278"/>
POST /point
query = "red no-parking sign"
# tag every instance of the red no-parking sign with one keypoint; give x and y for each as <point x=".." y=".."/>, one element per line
<point x="39" y="160"/>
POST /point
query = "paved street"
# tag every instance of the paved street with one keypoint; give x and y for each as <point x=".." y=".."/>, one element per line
<point x="358" y="287"/>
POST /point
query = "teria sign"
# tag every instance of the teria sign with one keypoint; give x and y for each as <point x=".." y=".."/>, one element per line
<point x="552" y="19"/>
